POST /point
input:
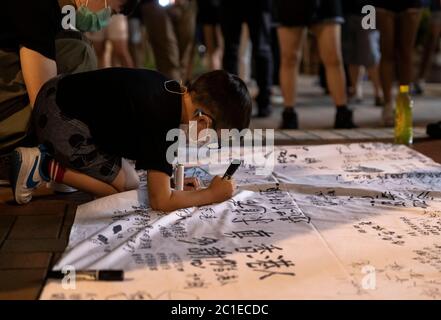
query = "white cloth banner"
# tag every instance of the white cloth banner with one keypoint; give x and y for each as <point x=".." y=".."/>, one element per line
<point x="359" y="221"/>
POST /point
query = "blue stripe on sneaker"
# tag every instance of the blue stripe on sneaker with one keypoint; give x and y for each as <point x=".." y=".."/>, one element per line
<point x="43" y="162"/>
<point x="30" y="183"/>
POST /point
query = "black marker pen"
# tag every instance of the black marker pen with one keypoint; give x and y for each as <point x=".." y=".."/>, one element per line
<point x="234" y="166"/>
<point x="91" y="275"/>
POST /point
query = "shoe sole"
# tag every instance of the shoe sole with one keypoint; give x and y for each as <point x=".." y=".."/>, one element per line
<point x="17" y="174"/>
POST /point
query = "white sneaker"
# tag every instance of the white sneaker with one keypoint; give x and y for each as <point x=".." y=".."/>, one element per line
<point x="26" y="173"/>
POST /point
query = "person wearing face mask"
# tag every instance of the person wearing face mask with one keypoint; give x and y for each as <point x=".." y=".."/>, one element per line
<point x="35" y="48"/>
<point x="85" y="141"/>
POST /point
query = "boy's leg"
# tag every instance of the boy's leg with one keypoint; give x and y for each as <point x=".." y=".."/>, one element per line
<point x="126" y="180"/>
<point x="68" y="144"/>
<point x="33" y="166"/>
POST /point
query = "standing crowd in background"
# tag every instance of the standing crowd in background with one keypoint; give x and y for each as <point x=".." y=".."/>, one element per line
<point x="268" y="43"/>
<point x="266" y="38"/>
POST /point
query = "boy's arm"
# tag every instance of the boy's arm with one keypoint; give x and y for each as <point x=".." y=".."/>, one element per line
<point x="163" y="198"/>
<point x="37" y="70"/>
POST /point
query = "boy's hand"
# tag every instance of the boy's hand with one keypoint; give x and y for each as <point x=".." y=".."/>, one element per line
<point x="222" y="190"/>
<point x="192" y="184"/>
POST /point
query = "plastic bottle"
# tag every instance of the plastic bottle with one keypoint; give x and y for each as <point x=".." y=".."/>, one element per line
<point x="404" y="117"/>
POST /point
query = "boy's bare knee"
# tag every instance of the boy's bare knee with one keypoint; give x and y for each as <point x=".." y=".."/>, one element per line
<point x="131" y="176"/>
<point x="128" y="178"/>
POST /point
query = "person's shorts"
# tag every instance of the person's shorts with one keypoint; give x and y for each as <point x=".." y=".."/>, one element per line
<point x="398" y="5"/>
<point x="304" y="13"/>
<point x="69" y="140"/>
<point x="117" y="30"/>
<point x="360" y="47"/>
<point x="209" y="12"/>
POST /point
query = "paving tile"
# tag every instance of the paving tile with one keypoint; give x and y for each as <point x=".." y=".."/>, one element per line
<point x="299" y="135"/>
<point x="281" y="137"/>
<point x="353" y="135"/>
<point x="420" y="133"/>
<point x="326" y="134"/>
<point x="21" y="261"/>
<point x="6" y="223"/>
<point x="34" y="245"/>
<point x="69" y="219"/>
<point x="21" y="284"/>
<point x="381" y="134"/>
<point x="34" y="208"/>
<point x="431" y="149"/>
<point x="37" y="227"/>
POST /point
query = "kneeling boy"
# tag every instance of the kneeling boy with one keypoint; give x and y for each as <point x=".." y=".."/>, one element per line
<point x="88" y="123"/>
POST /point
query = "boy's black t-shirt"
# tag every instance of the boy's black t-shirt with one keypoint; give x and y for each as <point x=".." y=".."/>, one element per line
<point x="30" y="23"/>
<point x="129" y="112"/>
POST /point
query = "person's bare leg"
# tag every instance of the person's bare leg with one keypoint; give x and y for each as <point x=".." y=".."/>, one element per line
<point x="219" y="54"/>
<point x="100" y="50"/>
<point x="429" y="51"/>
<point x="213" y="47"/>
<point x="244" y="66"/>
<point x="329" y="41"/>
<point x="408" y="27"/>
<point x="374" y="76"/>
<point x="330" y="50"/>
<point x="122" y="52"/>
<point x="126" y="180"/>
<point x="291" y="43"/>
<point x="386" y="25"/>
<point x="354" y="73"/>
<point x="184" y="28"/>
<point x="88" y="184"/>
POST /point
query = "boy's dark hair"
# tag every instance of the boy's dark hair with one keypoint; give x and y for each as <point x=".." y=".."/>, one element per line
<point x="225" y="97"/>
<point x="129" y="7"/>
